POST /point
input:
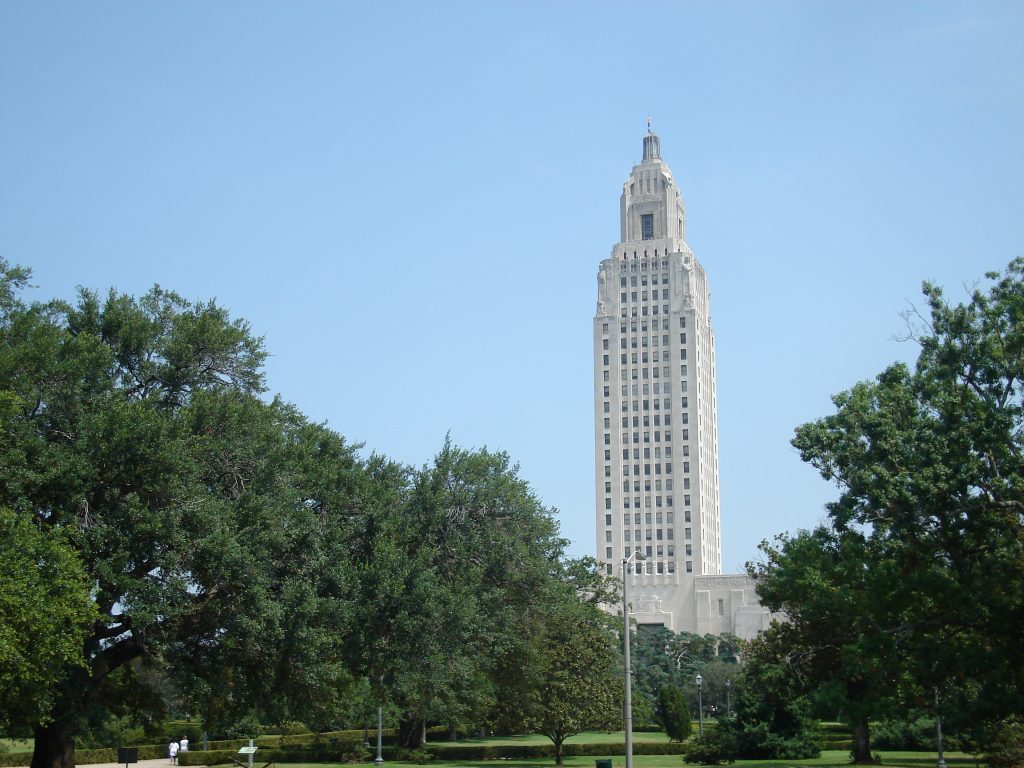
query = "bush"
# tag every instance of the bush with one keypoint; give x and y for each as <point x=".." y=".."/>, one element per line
<point x="756" y="741"/>
<point x="714" y="748"/>
<point x="1007" y="747"/>
<point x="292" y="728"/>
<point x="916" y="734"/>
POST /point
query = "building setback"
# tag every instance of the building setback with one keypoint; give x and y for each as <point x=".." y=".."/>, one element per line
<point x="656" y="418"/>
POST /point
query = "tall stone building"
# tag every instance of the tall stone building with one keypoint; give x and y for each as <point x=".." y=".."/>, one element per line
<point x="656" y="418"/>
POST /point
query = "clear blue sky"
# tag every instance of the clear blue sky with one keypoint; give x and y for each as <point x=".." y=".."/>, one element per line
<point x="410" y="200"/>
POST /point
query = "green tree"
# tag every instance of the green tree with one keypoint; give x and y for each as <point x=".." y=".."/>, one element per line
<point x="454" y="581"/>
<point x="663" y="657"/>
<point x="929" y="465"/>
<point x="771" y="713"/>
<point x="209" y="522"/>
<point x="835" y="595"/>
<point x="577" y="687"/>
<point x="45" y="613"/>
<point x="673" y="713"/>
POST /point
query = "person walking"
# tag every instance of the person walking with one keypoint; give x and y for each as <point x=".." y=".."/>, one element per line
<point x="172" y="752"/>
<point x="183" y="744"/>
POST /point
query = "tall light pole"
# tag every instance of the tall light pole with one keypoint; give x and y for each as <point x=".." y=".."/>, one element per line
<point x="379" y="760"/>
<point x="728" y="700"/>
<point x="700" y="708"/>
<point x="626" y="562"/>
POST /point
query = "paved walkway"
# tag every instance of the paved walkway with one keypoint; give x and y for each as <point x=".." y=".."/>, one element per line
<point x="162" y="762"/>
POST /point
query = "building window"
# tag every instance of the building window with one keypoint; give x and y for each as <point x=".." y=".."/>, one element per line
<point x="647" y="226"/>
<point x="721" y="607"/>
<point x="689" y="566"/>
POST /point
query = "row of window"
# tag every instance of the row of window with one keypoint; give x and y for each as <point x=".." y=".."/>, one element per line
<point x="649" y="567"/>
<point x="646" y="434"/>
<point x="645" y="265"/>
<point x="625" y="296"/>
<point x="644" y="311"/>
<point x="643" y="279"/>
<point x="647" y="472"/>
<point x="668" y="534"/>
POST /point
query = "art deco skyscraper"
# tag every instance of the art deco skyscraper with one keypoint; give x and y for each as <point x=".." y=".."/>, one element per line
<point x="655" y="409"/>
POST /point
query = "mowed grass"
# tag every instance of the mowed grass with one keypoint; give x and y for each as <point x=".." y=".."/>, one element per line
<point x="15" y="745"/>
<point x="828" y="759"/>
<point x="590" y="737"/>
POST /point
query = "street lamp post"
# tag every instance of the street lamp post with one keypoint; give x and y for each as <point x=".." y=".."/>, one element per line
<point x="379" y="760"/>
<point x="700" y="708"/>
<point x="728" y="700"/>
<point x="626" y="562"/>
<point x="941" y="761"/>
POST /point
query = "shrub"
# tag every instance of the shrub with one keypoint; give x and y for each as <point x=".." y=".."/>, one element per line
<point x="1006" y="749"/>
<point x="757" y="741"/>
<point x="292" y="728"/>
<point x="714" y="748"/>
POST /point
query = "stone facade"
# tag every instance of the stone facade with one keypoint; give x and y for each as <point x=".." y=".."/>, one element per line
<point x="656" y="419"/>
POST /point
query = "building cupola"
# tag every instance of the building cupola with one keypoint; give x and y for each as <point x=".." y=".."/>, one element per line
<point x="652" y="145"/>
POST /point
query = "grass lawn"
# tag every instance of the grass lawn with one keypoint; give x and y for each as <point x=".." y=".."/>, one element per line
<point x="829" y="759"/>
<point x="590" y="737"/>
<point x="15" y="745"/>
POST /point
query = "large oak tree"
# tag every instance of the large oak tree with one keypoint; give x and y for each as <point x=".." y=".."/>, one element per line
<point x="208" y="520"/>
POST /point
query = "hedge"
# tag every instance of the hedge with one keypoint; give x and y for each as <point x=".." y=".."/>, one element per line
<point x="340" y="746"/>
<point x="329" y="754"/>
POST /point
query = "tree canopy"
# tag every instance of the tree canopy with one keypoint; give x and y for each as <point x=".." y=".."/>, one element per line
<point x="46" y="611"/>
<point x="917" y="577"/>
<point x="252" y="556"/>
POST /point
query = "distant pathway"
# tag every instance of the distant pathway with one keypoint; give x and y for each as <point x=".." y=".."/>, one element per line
<point x="162" y="762"/>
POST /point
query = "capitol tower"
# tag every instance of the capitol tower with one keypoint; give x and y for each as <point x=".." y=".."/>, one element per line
<point x="656" y="418"/>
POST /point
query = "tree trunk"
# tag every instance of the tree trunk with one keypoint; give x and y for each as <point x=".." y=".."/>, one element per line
<point x="453" y="732"/>
<point x="54" y="746"/>
<point x="558" y="739"/>
<point x="412" y="733"/>
<point x="862" y="743"/>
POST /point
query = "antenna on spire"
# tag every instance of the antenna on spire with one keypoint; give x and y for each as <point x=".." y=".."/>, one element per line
<point x="648" y="123"/>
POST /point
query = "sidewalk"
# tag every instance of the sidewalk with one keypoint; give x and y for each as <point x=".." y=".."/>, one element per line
<point x="161" y="762"/>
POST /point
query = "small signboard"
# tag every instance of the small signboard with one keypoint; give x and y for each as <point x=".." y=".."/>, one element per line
<point x="247" y="750"/>
<point x="127" y="755"/>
